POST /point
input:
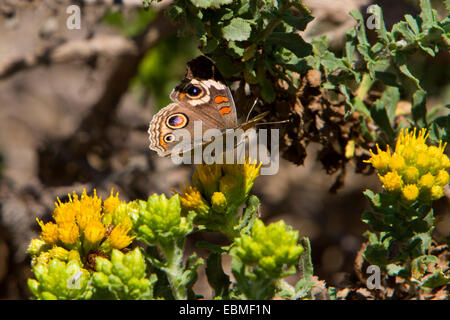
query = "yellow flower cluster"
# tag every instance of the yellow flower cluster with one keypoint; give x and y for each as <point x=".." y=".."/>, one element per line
<point x="218" y="187"/>
<point x="83" y="222"/>
<point x="415" y="170"/>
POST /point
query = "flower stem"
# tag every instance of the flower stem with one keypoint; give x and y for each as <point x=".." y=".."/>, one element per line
<point x="174" y="269"/>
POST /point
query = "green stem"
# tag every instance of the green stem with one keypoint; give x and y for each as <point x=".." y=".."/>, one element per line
<point x="364" y="86"/>
<point x="174" y="269"/>
<point x="282" y="285"/>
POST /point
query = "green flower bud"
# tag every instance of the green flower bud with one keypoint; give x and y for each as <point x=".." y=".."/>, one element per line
<point x="122" y="277"/>
<point x="60" y="280"/>
<point x="160" y="218"/>
<point x="271" y="250"/>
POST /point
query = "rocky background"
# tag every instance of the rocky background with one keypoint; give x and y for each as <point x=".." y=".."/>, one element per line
<point x="74" y="112"/>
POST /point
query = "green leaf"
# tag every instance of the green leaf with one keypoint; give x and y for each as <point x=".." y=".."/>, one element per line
<point x="380" y="114"/>
<point x="381" y="30"/>
<point x="237" y="30"/>
<point x="305" y="263"/>
<point x="404" y="69"/>
<point x="291" y="41"/>
<point x="250" y="214"/>
<point x="210" y="3"/>
<point x="387" y="78"/>
<point x="394" y="269"/>
<point x="237" y="51"/>
<point x="298" y="23"/>
<point x="218" y="280"/>
<point x="428" y="15"/>
<point x="376" y="254"/>
<point x="419" y="108"/>
<point x="440" y="128"/>
<point x="419" y="265"/>
<point x="412" y="22"/>
<point x="437" y="279"/>
<point x="267" y="91"/>
<point x="373" y="221"/>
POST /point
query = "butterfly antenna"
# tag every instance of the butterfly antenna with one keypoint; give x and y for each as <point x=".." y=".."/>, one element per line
<point x="273" y="122"/>
<point x="251" y="109"/>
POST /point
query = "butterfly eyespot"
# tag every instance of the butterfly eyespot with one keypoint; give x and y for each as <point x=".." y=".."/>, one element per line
<point x="170" y="137"/>
<point x="177" y="121"/>
<point x="193" y="91"/>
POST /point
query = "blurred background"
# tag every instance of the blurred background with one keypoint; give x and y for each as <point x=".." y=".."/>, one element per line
<point x="74" y="112"/>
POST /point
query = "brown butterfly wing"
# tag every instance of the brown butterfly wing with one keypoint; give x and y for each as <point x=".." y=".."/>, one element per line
<point x="202" y="74"/>
<point x="181" y="115"/>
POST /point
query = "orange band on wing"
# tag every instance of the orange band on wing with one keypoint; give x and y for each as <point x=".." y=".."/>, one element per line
<point x="225" y="110"/>
<point x="161" y="142"/>
<point x="220" y="99"/>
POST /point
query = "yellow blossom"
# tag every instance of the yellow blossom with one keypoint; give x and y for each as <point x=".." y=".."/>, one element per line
<point x="88" y="209"/>
<point x="413" y="166"/>
<point x="94" y="232"/>
<point x="427" y="181"/>
<point x="391" y="181"/>
<point x="111" y="203"/>
<point x="191" y="199"/>
<point x="64" y="213"/>
<point x="445" y="161"/>
<point x="410" y="192"/>
<point x="49" y="232"/>
<point x="411" y="175"/>
<point x="206" y="178"/>
<point x="119" y="237"/>
<point x="397" y="162"/>
<point x="68" y="233"/>
<point x="437" y="192"/>
<point x="442" y="178"/>
<point x="380" y="161"/>
<point x="219" y="202"/>
<point x="245" y="173"/>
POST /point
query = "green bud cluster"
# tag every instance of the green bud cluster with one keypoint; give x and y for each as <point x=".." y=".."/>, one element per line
<point x="123" y="276"/>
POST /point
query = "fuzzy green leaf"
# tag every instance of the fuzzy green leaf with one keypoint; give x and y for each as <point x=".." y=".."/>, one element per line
<point x="237" y="30"/>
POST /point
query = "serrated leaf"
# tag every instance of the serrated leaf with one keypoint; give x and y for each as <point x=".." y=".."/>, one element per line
<point x="237" y="30"/>
<point x="412" y="22"/>
<point x="250" y="214"/>
<point x="428" y="15"/>
<point x="404" y="69"/>
<point x="381" y="30"/>
<point x="404" y="30"/>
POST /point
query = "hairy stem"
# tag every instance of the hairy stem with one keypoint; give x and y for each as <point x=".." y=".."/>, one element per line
<point x="174" y="269"/>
